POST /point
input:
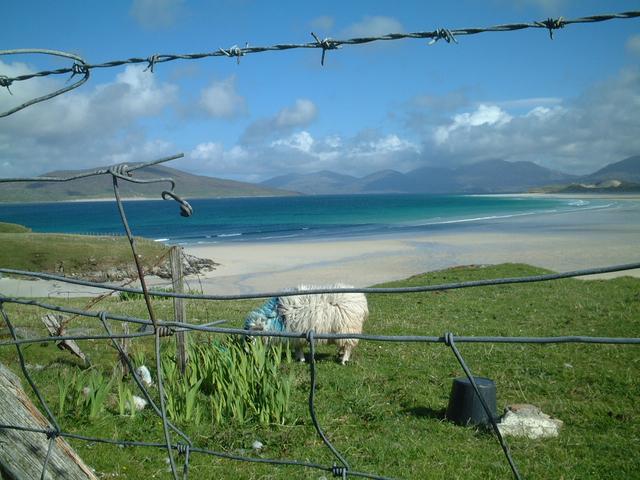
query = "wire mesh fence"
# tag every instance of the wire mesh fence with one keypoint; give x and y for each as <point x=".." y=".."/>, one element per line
<point x="177" y="444"/>
<point x="158" y="328"/>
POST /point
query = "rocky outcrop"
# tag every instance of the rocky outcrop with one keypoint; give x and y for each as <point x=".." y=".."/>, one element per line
<point x="191" y="265"/>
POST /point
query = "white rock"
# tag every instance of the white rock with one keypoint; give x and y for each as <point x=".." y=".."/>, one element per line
<point x="524" y="420"/>
<point x="139" y="403"/>
<point x="145" y="375"/>
<point x="257" y="445"/>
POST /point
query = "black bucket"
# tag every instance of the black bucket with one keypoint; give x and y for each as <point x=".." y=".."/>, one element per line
<point x="465" y="407"/>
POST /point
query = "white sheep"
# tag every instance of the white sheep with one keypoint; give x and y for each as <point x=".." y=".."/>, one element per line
<point x="322" y="313"/>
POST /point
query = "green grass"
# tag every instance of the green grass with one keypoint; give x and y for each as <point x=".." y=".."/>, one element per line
<point x="384" y="411"/>
<point x="13" y="228"/>
<point x="71" y="255"/>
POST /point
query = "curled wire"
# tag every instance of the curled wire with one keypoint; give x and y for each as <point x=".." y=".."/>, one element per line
<point x="80" y="67"/>
<point x="186" y="210"/>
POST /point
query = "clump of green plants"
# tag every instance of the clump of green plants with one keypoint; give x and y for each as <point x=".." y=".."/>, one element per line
<point x="233" y="380"/>
<point x="83" y="394"/>
<point x="229" y="380"/>
<point x="126" y="402"/>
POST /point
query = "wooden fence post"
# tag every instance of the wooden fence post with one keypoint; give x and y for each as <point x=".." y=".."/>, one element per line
<point x="175" y="260"/>
<point x="22" y="452"/>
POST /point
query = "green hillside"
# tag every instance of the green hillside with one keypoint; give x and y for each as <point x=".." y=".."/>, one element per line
<point x="187" y="186"/>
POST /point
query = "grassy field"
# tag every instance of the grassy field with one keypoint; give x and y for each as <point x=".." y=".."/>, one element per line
<point x="13" y="228"/>
<point x="385" y="411"/>
<point x="71" y="255"/>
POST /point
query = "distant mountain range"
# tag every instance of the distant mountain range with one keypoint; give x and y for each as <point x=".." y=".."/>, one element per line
<point x="489" y="176"/>
<point x="187" y="186"/>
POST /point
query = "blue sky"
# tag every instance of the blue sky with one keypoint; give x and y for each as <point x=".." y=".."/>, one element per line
<point x="571" y="103"/>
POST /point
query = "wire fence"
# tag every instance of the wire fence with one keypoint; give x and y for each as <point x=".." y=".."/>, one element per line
<point x="175" y="440"/>
<point x="158" y="328"/>
<point x="83" y="69"/>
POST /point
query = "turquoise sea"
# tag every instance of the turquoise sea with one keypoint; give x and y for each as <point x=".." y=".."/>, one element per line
<point x="286" y="218"/>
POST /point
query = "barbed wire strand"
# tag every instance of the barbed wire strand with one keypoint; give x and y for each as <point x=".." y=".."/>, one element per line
<point x="79" y="67"/>
<point x="449" y="35"/>
<point x="444" y="339"/>
<point x="122" y="171"/>
<point x="373" y="290"/>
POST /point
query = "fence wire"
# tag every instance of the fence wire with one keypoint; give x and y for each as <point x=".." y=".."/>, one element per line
<point x="157" y="328"/>
<point x="83" y="69"/>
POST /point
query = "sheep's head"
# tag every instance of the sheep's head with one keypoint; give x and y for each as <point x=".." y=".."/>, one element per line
<point x="265" y="318"/>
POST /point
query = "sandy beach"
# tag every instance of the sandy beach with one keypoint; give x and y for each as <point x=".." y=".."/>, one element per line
<point x="559" y="242"/>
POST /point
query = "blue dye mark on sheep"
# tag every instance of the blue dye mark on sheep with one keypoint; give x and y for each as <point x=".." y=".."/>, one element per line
<point x="267" y="315"/>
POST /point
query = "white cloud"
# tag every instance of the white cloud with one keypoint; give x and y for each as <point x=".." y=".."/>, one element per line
<point x="82" y="128"/>
<point x="300" y="152"/>
<point x="157" y="14"/>
<point x="578" y="136"/>
<point x="483" y="115"/>
<point x="302" y="141"/>
<point x="373" y="26"/>
<point x="220" y="99"/>
<point x="302" y="113"/>
<point x="633" y="44"/>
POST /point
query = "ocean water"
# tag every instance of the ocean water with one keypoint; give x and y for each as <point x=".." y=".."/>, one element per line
<point x="285" y="218"/>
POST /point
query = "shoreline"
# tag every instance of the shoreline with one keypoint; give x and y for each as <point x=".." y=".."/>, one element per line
<point x="591" y="196"/>
<point x="564" y="241"/>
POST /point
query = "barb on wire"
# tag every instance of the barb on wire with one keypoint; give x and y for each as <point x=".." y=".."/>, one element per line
<point x="6" y="82"/>
<point x="552" y="24"/>
<point x="235" y="51"/>
<point x="152" y="62"/>
<point x="325" y="44"/>
<point x="443" y="34"/>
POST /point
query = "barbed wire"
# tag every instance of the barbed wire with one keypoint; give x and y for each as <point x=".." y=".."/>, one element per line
<point x="159" y="328"/>
<point x="81" y="67"/>
<point x="290" y="293"/>
<point x="447" y="339"/>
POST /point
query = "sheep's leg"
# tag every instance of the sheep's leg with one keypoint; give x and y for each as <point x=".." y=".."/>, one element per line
<point x="299" y="352"/>
<point x="345" y="351"/>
